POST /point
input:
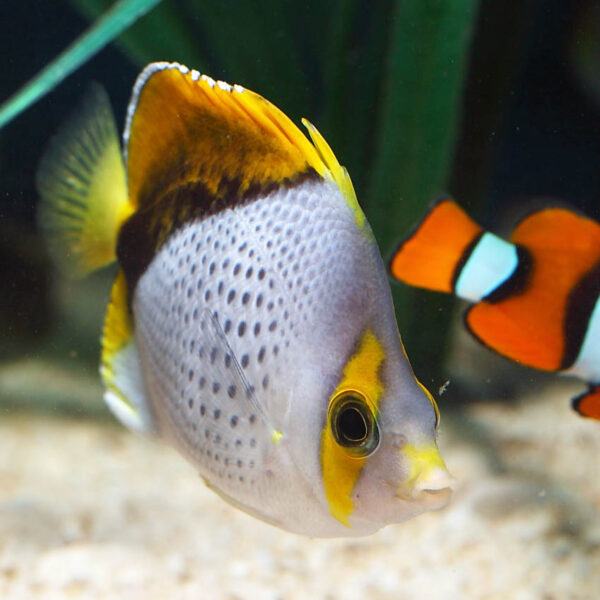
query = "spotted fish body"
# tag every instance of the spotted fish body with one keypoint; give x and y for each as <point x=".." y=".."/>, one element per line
<point x="251" y="322"/>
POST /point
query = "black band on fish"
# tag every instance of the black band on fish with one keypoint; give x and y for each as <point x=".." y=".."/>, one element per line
<point x="580" y="304"/>
<point x="518" y="282"/>
<point x="144" y="233"/>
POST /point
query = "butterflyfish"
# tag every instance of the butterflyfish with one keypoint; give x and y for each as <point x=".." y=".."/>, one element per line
<point x="250" y="323"/>
<point x="535" y="297"/>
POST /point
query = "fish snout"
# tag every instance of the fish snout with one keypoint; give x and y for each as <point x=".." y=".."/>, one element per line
<point x="434" y="489"/>
<point x="428" y="482"/>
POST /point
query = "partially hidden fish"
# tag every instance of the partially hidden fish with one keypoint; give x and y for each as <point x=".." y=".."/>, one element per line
<point x="251" y="321"/>
<point x="535" y="297"/>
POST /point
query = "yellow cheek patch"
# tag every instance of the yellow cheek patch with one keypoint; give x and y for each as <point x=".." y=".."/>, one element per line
<point x="340" y="470"/>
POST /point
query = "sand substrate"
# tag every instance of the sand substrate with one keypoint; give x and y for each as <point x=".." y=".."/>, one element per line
<point x="89" y="510"/>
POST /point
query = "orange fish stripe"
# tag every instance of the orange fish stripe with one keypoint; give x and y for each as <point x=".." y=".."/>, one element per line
<point x="530" y="327"/>
<point x="429" y="258"/>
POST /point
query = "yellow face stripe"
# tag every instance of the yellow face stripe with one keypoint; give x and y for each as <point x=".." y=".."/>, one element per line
<point x="340" y="470"/>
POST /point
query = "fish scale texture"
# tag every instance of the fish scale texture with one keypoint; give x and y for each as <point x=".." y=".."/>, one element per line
<point x="223" y="314"/>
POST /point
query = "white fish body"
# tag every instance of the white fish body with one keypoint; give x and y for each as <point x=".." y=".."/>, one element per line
<point x="251" y="323"/>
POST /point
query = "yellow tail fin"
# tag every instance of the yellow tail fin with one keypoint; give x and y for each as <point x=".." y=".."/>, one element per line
<point x="81" y="181"/>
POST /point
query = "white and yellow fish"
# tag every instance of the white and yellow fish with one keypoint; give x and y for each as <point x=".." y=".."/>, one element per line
<point x="251" y="321"/>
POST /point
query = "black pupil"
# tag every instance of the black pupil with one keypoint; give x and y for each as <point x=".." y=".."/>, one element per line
<point x="352" y="425"/>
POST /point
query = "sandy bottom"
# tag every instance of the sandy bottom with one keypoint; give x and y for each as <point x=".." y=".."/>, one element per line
<point x="88" y="510"/>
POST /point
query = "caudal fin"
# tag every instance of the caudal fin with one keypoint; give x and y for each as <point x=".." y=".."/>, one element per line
<point x="432" y="256"/>
<point x="81" y="181"/>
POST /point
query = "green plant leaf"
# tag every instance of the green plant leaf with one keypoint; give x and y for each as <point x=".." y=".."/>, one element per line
<point x="167" y="33"/>
<point x="417" y="130"/>
<point x="103" y="31"/>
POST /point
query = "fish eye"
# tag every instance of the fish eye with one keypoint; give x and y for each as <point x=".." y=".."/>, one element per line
<point x="353" y="424"/>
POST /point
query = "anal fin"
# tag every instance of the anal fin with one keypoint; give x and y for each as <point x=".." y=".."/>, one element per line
<point x="120" y="369"/>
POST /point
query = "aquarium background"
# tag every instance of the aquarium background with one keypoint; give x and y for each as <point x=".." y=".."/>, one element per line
<point x="497" y="104"/>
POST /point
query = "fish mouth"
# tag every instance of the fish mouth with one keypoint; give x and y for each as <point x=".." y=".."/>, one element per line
<point x="429" y="483"/>
<point x="433" y="491"/>
<point x="434" y="499"/>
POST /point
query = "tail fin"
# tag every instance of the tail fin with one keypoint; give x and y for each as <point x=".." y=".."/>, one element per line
<point x="432" y="256"/>
<point x="81" y="181"/>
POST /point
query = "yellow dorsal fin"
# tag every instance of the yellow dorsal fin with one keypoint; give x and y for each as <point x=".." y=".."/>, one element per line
<point x="81" y="181"/>
<point x="184" y="128"/>
<point x="336" y="172"/>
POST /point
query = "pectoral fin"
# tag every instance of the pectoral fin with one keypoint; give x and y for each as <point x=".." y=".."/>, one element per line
<point x="588" y="404"/>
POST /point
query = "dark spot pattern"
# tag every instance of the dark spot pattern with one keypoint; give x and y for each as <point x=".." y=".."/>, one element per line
<point x="217" y="268"/>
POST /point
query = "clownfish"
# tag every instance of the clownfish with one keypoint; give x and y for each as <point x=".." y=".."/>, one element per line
<point x="251" y="322"/>
<point x="535" y="297"/>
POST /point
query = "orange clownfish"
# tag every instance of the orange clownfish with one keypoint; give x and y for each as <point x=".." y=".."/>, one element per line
<point x="535" y="297"/>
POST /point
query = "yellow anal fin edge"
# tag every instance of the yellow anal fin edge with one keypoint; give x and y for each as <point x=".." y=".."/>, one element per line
<point x="120" y="367"/>
<point x="81" y="181"/>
